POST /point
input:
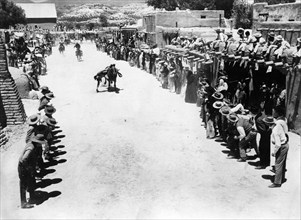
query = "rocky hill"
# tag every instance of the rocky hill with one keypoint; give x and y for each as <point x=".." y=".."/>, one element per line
<point x="80" y="2"/>
<point x="92" y="13"/>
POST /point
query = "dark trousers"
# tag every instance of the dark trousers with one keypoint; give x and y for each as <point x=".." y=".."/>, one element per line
<point x="250" y="139"/>
<point x="264" y="149"/>
<point x="27" y="183"/>
<point x="280" y="164"/>
<point x="233" y="146"/>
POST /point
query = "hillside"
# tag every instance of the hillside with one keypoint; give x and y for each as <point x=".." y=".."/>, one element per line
<point x="92" y="14"/>
<point x="80" y="2"/>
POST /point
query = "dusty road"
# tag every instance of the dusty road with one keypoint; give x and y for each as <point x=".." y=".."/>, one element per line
<point x="139" y="154"/>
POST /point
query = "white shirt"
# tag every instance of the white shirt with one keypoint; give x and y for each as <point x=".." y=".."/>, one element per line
<point x="279" y="131"/>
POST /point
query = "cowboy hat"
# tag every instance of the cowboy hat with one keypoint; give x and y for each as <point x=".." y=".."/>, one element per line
<point x="223" y="77"/>
<point x="49" y="110"/>
<point x="271" y="34"/>
<point x="45" y="88"/>
<point x="262" y="41"/>
<point x="204" y="83"/>
<point x="33" y="119"/>
<point x="218" y="95"/>
<point x="269" y="120"/>
<point x="257" y="35"/>
<point x="218" y="104"/>
<point x="38" y="138"/>
<point x="240" y="31"/>
<point x="51" y="121"/>
<point x="225" y="110"/>
<point x="232" y="117"/>
<point x="278" y="38"/>
<point x="49" y="95"/>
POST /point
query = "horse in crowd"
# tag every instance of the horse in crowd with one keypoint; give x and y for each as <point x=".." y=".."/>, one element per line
<point x="109" y="74"/>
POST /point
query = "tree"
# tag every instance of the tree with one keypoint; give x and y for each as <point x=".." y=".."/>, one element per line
<point x="225" y="5"/>
<point x="103" y="20"/>
<point x="11" y="14"/>
<point x="242" y="14"/>
<point x="272" y="2"/>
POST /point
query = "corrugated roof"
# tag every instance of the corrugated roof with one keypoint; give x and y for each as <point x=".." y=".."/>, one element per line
<point x="39" y="10"/>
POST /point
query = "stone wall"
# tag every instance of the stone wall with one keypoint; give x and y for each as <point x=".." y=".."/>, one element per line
<point x="11" y="101"/>
<point x="277" y="16"/>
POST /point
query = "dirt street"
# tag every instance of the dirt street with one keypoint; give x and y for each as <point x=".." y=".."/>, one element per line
<point x="139" y="154"/>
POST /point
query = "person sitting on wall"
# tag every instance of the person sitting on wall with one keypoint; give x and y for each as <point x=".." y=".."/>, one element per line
<point x="280" y="45"/>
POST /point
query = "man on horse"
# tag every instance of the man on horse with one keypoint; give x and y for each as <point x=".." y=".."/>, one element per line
<point x="109" y="74"/>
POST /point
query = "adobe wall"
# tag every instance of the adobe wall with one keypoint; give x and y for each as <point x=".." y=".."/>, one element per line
<point x="293" y="106"/>
<point x="277" y="16"/>
<point x="187" y="18"/>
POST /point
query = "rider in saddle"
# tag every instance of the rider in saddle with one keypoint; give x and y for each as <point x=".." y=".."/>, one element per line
<point x="77" y="46"/>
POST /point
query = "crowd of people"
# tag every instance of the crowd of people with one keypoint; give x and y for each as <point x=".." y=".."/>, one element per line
<point x="31" y="59"/>
<point x="229" y="116"/>
<point x="226" y="116"/>
<point x="41" y="135"/>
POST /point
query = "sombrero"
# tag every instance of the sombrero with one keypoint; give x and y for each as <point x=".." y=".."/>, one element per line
<point x="44" y="88"/>
<point x="232" y="117"/>
<point x="225" y="110"/>
<point x="271" y="34"/>
<point x="257" y="35"/>
<point x="218" y="104"/>
<point x="51" y="121"/>
<point x="240" y="31"/>
<point x="33" y="119"/>
<point x="218" y="95"/>
<point x="49" y="95"/>
<point x="278" y="38"/>
<point x="269" y="120"/>
<point x="49" y="110"/>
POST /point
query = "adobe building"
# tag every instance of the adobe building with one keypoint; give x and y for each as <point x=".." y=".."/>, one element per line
<point x="279" y="16"/>
<point x="161" y="24"/>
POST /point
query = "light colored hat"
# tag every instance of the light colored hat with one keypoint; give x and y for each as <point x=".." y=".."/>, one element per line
<point x="33" y="119"/>
<point x="49" y="110"/>
<point x="269" y="120"/>
<point x="257" y="35"/>
<point x="225" y="110"/>
<point x="278" y="38"/>
<point x="49" y="95"/>
<point x="240" y="31"/>
<point x="218" y="104"/>
<point x="218" y="95"/>
<point x="51" y="121"/>
<point x="232" y="117"/>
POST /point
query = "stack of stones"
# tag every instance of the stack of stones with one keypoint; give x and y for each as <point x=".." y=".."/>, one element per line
<point x="12" y="103"/>
<point x="3" y="137"/>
